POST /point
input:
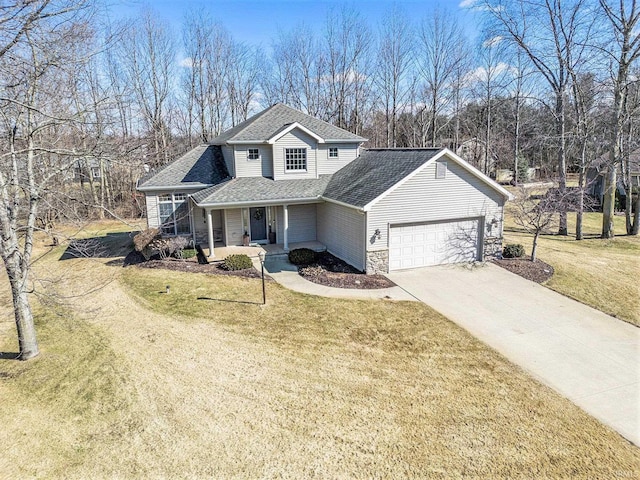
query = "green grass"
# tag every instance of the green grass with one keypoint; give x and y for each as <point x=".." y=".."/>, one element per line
<point x="600" y="273"/>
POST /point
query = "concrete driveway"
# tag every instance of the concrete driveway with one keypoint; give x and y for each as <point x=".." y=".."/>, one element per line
<point x="589" y="357"/>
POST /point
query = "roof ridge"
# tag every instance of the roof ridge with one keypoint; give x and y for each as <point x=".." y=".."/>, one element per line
<point x="249" y="121"/>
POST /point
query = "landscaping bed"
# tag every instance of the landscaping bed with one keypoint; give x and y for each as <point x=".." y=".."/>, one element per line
<point x="330" y="271"/>
<point x="187" y="265"/>
<point x="537" y="271"/>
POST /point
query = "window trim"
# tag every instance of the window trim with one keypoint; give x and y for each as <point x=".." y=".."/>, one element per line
<point x="302" y="152"/>
<point x="333" y="150"/>
<point x="441" y="170"/>
<point x="250" y="151"/>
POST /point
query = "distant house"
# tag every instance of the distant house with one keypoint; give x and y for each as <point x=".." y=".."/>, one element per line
<point x="283" y="176"/>
<point x="596" y="173"/>
<point x="88" y="169"/>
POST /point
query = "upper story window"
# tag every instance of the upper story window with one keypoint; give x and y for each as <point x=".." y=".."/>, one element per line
<point x="253" y="154"/>
<point x="295" y="159"/>
<point x="333" y="152"/>
<point x="441" y="169"/>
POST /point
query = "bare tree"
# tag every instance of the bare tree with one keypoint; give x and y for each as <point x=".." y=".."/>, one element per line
<point x="148" y="57"/>
<point x="552" y="33"/>
<point x="37" y="48"/>
<point x="300" y="72"/>
<point x="442" y="51"/>
<point x="394" y="61"/>
<point x="623" y="51"/>
<point x="536" y="215"/>
<point x="347" y="44"/>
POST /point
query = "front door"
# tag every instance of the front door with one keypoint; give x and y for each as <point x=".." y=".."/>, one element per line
<point x="258" y="223"/>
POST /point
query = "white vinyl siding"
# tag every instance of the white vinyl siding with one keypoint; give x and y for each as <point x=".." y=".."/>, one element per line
<point x="423" y="198"/>
<point x="302" y="223"/>
<point x="153" y="220"/>
<point x="341" y="229"/>
<point x="263" y="167"/>
<point x="200" y="224"/>
<point x="294" y="139"/>
<point x="233" y="226"/>
<point x="347" y="152"/>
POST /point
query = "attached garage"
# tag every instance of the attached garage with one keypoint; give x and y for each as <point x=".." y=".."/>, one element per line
<point x="421" y="207"/>
<point x="434" y="243"/>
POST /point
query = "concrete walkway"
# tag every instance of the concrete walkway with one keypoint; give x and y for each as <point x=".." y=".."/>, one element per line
<point x="589" y="357"/>
<point x="286" y="275"/>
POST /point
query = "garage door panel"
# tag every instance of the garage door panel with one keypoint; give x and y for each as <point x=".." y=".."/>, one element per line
<point x="433" y="244"/>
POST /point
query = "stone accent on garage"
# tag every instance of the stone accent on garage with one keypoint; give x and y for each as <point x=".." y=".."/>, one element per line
<point x="377" y="262"/>
<point x="492" y="248"/>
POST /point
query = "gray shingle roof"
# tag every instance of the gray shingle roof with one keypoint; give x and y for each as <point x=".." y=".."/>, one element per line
<point x="374" y="172"/>
<point x="264" y="125"/>
<point x="261" y="189"/>
<point x="202" y="166"/>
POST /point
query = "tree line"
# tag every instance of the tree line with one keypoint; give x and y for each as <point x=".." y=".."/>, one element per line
<point x="89" y="104"/>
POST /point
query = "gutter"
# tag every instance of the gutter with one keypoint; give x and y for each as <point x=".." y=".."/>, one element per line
<point x="173" y="187"/>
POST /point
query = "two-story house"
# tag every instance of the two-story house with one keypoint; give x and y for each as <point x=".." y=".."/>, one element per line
<point x="283" y="176"/>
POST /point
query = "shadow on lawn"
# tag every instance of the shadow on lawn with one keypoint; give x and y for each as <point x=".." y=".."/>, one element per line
<point x="108" y="246"/>
<point x="229" y="301"/>
<point x="9" y="355"/>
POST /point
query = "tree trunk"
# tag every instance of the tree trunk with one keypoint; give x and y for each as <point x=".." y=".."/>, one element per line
<point x="562" y="162"/>
<point x="25" y="325"/>
<point x="636" y="215"/>
<point x="534" y="247"/>
<point x="609" y="199"/>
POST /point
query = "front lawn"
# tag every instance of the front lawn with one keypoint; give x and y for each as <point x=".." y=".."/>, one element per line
<point x="600" y="273"/>
<point x="205" y="382"/>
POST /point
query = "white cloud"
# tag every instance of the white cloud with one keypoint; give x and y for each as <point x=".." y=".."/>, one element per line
<point x="467" y="3"/>
<point x="482" y="74"/>
<point x="186" y="62"/>
<point x="492" y="42"/>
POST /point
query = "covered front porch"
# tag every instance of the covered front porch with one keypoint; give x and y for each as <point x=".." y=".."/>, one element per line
<point x="275" y="228"/>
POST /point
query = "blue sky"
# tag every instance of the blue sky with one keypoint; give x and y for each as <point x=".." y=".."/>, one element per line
<point x="258" y="21"/>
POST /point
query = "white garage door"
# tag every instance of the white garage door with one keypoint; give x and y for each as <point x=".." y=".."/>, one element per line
<point x="423" y="244"/>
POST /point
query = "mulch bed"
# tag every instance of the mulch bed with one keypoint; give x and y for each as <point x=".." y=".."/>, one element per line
<point x="333" y="272"/>
<point x="537" y="271"/>
<point x="188" y="265"/>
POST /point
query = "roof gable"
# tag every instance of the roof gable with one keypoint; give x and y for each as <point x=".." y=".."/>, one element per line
<point x="377" y="172"/>
<point x="266" y="125"/>
<point x="374" y="172"/>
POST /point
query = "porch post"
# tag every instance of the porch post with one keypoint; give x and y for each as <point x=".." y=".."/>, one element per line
<point x="285" y="227"/>
<point x="210" y="233"/>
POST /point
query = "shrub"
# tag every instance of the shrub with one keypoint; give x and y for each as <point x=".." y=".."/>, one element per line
<point x="513" y="250"/>
<point x="302" y="256"/>
<point x="188" y="253"/>
<point x="237" y="262"/>
<point x="312" y="271"/>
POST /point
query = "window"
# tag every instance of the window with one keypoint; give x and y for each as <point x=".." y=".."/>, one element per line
<point x="333" y="152"/>
<point x="174" y="214"/>
<point x="253" y="154"/>
<point x="441" y="169"/>
<point x="295" y="159"/>
<point x="95" y="172"/>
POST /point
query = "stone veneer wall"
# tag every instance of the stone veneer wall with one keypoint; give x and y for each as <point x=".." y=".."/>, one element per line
<point x="377" y="262"/>
<point x="492" y="248"/>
